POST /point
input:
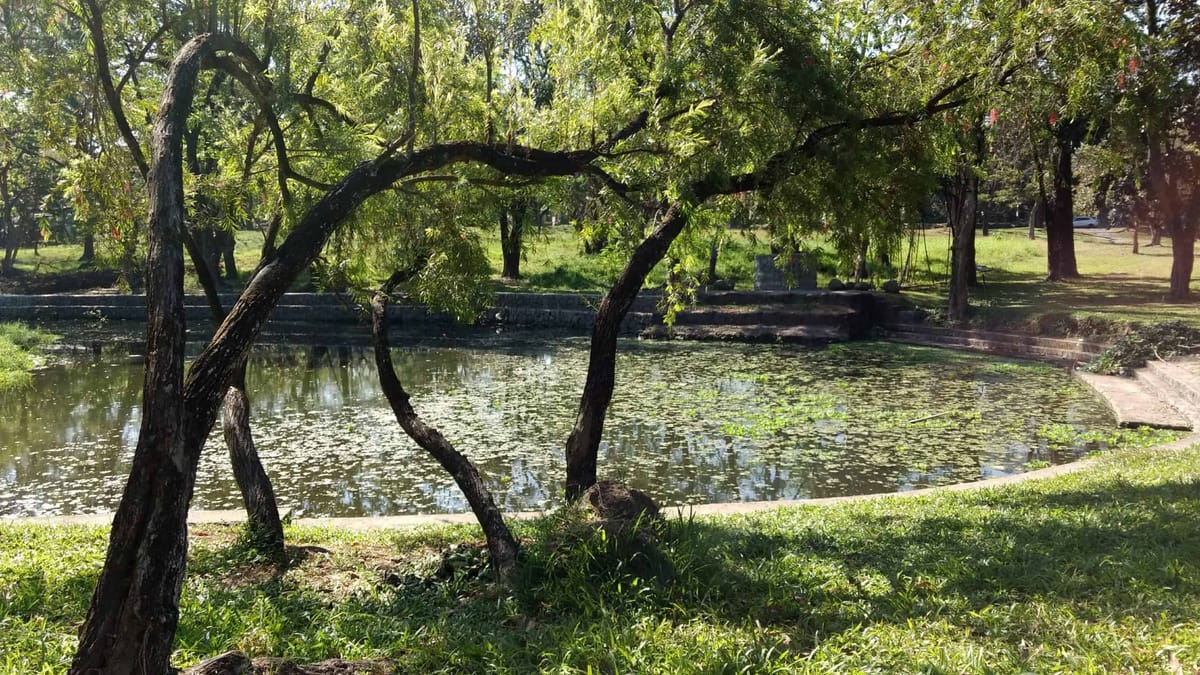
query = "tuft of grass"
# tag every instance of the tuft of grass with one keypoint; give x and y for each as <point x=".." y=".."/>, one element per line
<point x="1096" y="571"/>
<point x="18" y="345"/>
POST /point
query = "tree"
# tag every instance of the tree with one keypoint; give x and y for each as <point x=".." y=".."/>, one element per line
<point x="1166" y="102"/>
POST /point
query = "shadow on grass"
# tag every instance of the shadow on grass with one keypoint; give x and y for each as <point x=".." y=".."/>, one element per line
<point x="1114" y="553"/>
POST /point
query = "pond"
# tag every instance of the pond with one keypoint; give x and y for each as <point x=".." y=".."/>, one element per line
<point x="690" y="423"/>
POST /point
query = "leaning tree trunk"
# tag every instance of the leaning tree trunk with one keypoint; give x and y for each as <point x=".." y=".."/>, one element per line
<point x="258" y="496"/>
<point x="501" y="544"/>
<point x="584" y="442"/>
<point x="134" y="611"/>
<point x="1060" y="229"/>
<point x="266" y="529"/>
<point x="1183" y="258"/>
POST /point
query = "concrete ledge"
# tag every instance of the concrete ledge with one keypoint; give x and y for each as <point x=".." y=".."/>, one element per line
<point x="1055" y="350"/>
<point x="1134" y="405"/>
<point x="537" y="310"/>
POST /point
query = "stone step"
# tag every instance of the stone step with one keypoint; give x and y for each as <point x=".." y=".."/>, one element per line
<point x="1080" y="345"/>
<point x="979" y="343"/>
<point x="1163" y="386"/>
<point x="750" y="333"/>
<point x="818" y="315"/>
<point x="1133" y="404"/>
<point x="856" y="299"/>
<point x="1180" y="377"/>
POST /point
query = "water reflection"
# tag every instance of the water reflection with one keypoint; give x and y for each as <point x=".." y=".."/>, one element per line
<point x="689" y="424"/>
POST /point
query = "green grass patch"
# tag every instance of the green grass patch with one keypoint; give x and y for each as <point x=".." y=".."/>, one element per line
<point x="1096" y="571"/>
<point x="19" y="345"/>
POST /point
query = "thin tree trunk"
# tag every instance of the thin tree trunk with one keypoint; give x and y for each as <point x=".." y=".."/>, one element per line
<point x="584" y="440"/>
<point x="512" y="224"/>
<point x="266" y="529"/>
<point x="501" y="544"/>
<point x="1102" y="203"/>
<point x="714" y="251"/>
<point x="227" y="241"/>
<point x="961" y="210"/>
<point x="89" y="250"/>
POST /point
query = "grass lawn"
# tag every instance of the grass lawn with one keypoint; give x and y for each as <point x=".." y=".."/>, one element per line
<point x="554" y="261"/>
<point x="1117" y="285"/>
<point x="1097" y="571"/>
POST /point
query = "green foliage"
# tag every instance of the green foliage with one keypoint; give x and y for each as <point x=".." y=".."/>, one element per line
<point x="1155" y="341"/>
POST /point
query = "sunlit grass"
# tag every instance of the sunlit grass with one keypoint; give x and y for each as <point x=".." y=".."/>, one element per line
<point x="18" y="345"/>
<point x="1097" y="571"/>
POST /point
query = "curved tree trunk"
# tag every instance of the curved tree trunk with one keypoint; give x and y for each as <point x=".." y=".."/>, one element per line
<point x="584" y="442"/>
<point x="131" y="622"/>
<point x="501" y="544"/>
<point x="258" y="496"/>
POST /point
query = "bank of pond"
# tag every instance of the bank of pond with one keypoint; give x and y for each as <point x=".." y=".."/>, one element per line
<point x="690" y="423"/>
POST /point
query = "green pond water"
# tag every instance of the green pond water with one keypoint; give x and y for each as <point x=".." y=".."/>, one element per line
<point x="690" y="423"/>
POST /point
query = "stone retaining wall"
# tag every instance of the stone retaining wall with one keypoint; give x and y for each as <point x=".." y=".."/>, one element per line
<point x="575" y="311"/>
<point x="1056" y="350"/>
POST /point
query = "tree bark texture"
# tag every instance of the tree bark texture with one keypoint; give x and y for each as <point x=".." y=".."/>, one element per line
<point x="584" y="440"/>
<point x="130" y="625"/>
<point x="258" y="495"/>
<point x="1060" y="214"/>
<point x="961" y="210"/>
<point x="501" y="544"/>
<point x="512" y="226"/>
<point x="1183" y="258"/>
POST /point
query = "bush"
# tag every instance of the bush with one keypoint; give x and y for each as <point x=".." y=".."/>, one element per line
<point x="1158" y="341"/>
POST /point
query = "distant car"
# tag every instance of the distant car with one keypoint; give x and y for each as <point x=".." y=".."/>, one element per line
<point x="1085" y="221"/>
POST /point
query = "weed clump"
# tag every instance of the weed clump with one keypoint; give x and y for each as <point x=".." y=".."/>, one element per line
<point x="1157" y="341"/>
